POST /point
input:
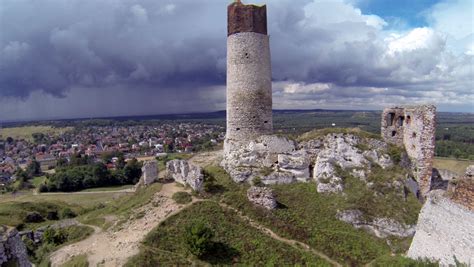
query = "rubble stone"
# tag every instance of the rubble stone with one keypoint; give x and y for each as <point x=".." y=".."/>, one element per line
<point x="262" y="196"/>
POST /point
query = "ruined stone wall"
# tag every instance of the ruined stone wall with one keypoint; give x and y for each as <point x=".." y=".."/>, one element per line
<point x="249" y="87"/>
<point x="413" y="127"/>
<point x="392" y="125"/>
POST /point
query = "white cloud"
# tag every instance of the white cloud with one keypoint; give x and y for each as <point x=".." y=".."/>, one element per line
<point x="455" y="19"/>
<point x="418" y="38"/>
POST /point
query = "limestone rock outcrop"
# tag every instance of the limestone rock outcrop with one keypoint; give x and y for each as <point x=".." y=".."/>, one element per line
<point x="12" y="250"/>
<point x="380" y="227"/>
<point x="445" y="230"/>
<point x="185" y="173"/>
<point x="346" y="152"/>
<point x="278" y="160"/>
<point x="262" y="196"/>
<point x="470" y="171"/>
<point x="149" y="172"/>
<point x="245" y="161"/>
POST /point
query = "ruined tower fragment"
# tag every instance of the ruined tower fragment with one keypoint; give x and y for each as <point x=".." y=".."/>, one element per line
<point x="413" y="127"/>
<point x="249" y="87"/>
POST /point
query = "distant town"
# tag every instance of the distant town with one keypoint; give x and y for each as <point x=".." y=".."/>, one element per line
<point x="93" y="142"/>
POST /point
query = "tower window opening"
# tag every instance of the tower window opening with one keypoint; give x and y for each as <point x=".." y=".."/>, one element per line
<point x="265" y="122"/>
<point x="400" y="121"/>
<point x="391" y="118"/>
<point x="394" y="133"/>
<point x="408" y="119"/>
<point x="413" y="135"/>
<point x="238" y="129"/>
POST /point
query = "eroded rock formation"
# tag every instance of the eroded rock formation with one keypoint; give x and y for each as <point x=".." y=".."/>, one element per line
<point x="278" y="160"/>
<point x="185" y="173"/>
<point x="12" y="250"/>
<point x="445" y="230"/>
<point x="380" y="227"/>
<point x="149" y="172"/>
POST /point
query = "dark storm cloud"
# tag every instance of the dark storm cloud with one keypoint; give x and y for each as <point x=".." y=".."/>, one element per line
<point x="54" y="45"/>
<point x="177" y="48"/>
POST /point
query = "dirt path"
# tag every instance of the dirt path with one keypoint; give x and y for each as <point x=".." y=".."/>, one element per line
<point x="291" y="242"/>
<point x="114" y="246"/>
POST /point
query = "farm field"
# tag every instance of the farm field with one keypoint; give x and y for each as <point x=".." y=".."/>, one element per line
<point x="84" y="199"/>
<point x="26" y="132"/>
<point x="456" y="165"/>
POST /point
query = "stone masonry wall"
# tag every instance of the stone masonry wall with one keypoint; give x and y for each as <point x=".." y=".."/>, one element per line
<point x="413" y="127"/>
<point x="249" y="87"/>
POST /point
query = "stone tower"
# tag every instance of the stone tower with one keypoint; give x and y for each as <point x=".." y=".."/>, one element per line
<point x="249" y="85"/>
<point x="413" y="127"/>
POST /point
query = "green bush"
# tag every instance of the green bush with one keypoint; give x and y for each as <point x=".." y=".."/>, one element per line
<point x="257" y="181"/>
<point x="67" y="213"/>
<point x="399" y="260"/>
<point x="182" y="197"/>
<point x="199" y="238"/>
<point x="54" y="236"/>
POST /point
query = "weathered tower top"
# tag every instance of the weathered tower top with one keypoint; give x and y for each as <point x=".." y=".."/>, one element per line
<point x="246" y="18"/>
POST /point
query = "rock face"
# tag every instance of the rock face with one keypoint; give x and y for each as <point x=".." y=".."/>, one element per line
<point x="12" y="250"/>
<point x="413" y="127"/>
<point x="344" y="151"/>
<point x="277" y="160"/>
<point x="262" y="196"/>
<point x="259" y="158"/>
<point x="183" y="172"/>
<point x="470" y="171"/>
<point x="380" y="227"/>
<point x="445" y="230"/>
<point x="149" y="172"/>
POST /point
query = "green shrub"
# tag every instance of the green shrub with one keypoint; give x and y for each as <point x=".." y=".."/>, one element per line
<point x="182" y="197"/>
<point x="33" y="217"/>
<point x="257" y="181"/>
<point x="52" y="215"/>
<point x="199" y="238"/>
<point x="399" y="260"/>
<point x="67" y="213"/>
<point x="264" y="171"/>
<point x="395" y="153"/>
<point x="54" y="236"/>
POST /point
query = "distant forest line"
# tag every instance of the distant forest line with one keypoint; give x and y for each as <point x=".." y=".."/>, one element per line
<point x="454" y="132"/>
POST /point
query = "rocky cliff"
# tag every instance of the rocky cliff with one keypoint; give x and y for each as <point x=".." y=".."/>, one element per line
<point x="445" y="232"/>
<point x="12" y="250"/>
<point x="278" y="160"/>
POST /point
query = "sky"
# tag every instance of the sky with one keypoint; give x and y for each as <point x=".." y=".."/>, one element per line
<point x="88" y="58"/>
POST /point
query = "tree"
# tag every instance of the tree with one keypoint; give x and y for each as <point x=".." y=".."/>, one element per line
<point x="120" y="164"/>
<point x="34" y="168"/>
<point x="133" y="171"/>
<point x="199" y="238"/>
<point x="61" y="162"/>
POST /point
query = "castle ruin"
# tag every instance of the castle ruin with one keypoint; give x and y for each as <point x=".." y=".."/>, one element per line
<point x="413" y="127"/>
<point x="249" y="85"/>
